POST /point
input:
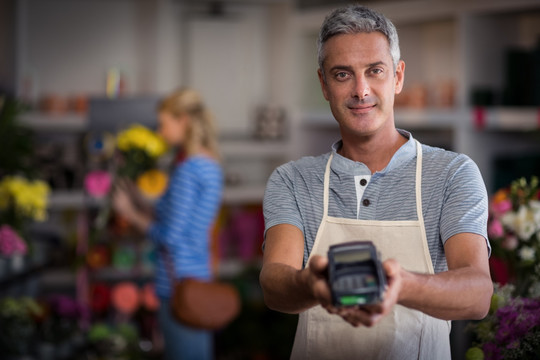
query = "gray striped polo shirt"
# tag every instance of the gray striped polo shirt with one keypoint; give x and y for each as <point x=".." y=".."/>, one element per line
<point x="454" y="197"/>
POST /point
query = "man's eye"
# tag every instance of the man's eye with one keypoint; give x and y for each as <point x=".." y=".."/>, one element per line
<point x="377" y="71"/>
<point x="341" y="75"/>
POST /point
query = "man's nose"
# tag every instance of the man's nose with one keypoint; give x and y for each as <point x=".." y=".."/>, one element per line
<point x="361" y="88"/>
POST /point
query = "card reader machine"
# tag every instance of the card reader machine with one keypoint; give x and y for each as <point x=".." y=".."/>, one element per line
<point x="355" y="274"/>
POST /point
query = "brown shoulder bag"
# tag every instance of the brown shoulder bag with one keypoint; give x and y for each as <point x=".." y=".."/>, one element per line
<point x="205" y="305"/>
<point x="209" y="305"/>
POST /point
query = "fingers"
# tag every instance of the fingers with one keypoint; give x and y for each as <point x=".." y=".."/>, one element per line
<point x="318" y="269"/>
<point x="321" y="292"/>
<point x="362" y="317"/>
<point x="319" y="265"/>
<point x="357" y="315"/>
<point x="121" y="201"/>
<point x="391" y="267"/>
<point x="131" y="187"/>
<point x="394" y="282"/>
<point x="122" y="184"/>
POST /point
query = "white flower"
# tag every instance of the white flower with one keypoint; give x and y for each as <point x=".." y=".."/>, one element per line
<point x="527" y="253"/>
<point x="508" y="219"/>
<point x="523" y="222"/>
<point x="534" y="290"/>
<point x="535" y="208"/>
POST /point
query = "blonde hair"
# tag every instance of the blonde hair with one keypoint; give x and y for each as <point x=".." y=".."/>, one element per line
<point x="201" y="132"/>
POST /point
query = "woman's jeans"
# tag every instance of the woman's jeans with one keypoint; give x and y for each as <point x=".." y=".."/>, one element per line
<point x="183" y="342"/>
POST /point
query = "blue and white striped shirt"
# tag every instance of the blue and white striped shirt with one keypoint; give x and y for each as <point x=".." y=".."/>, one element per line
<point x="184" y="217"/>
<point x="454" y="197"/>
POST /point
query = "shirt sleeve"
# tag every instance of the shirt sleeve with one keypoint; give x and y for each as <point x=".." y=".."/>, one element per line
<point x="465" y="207"/>
<point x="280" y="200"/>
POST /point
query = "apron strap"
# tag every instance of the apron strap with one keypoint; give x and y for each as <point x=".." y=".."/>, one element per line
<point x="419" y="182"/>
<point x="420" y="215"/>
<point x="326" y="186"/>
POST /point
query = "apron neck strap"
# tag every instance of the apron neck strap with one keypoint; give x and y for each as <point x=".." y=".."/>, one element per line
<point x="419" y="182"/>
<point x="327" y="185"/>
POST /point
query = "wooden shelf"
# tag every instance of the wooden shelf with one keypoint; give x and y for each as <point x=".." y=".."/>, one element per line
<point x="252" y="147"/>
<point x="50" y="122"/>
<point x="493" y="118"/>
<point x="404" y="117"/>
<point x="508" y="118"/>
<point x="76" y="199"/>
<point x="244" y="194"/>
<point x="427" y="118"/>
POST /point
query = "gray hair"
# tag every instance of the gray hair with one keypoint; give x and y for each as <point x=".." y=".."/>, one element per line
<point x="354" y="19"/>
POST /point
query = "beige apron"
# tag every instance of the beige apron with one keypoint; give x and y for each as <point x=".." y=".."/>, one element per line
<point x="402" y="334"/>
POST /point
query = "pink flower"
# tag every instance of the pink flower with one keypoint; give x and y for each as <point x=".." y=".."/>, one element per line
<point x="10" y="242"/>
<point x="510" y="242"/>
<point x="97" y="183"/>
<point x="495" y="228"/>
<point x="500" y="207"/>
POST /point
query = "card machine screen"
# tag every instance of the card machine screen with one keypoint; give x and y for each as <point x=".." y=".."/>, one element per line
<point x="346" y="258"/>
<point x="355" y="274"/>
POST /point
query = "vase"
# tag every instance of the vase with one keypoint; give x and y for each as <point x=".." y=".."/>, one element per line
<point x="16" y="263"/>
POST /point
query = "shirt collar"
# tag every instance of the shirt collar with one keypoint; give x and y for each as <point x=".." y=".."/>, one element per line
<point x="342" y="164"/>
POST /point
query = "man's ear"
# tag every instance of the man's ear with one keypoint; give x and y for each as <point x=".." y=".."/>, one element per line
<point x="399" y="77"/>
<point x="323" y="83"/>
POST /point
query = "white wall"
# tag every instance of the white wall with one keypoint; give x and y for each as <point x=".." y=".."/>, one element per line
<point x="227" y="61"/>
<point x="66" y="47"/>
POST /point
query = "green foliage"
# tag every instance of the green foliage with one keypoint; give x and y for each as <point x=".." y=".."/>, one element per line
<point x="16" y="140"/>
<point x="17" y="326"/>
<point x="474" y="353"/>
<point x="134" y="162"/>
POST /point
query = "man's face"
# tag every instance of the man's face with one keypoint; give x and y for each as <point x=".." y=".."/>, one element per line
<point x="359" y="82"/>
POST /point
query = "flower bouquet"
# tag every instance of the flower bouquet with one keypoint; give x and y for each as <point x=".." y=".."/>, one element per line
<point x="21" y="200"/>
<point x="512" y="328"/>
<point x="137" y="151"/>
<point x="514" y="231"/>
<point x="510" y="331"/>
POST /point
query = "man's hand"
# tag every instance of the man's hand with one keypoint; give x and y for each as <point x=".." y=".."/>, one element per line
<point x="317" y="280"/>
<point x="367" y="315"/>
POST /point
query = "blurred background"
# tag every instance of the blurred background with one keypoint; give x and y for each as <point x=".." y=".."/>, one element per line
<point x="81" y="69"/>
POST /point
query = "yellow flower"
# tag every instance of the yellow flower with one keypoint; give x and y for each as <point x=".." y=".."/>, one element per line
<point x="152" y="183"/>
<point x="28" y="197"/>
<point x="140" y="137"/>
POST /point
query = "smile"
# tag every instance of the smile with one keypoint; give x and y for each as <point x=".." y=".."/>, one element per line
<point x="362" y="109"/>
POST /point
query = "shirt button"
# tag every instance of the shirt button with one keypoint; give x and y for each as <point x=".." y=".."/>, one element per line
<point x="366" y="202"/>
<point x="363" y="182"/>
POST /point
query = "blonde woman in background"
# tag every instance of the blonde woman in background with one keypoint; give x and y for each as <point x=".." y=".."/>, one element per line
<point x="181" y="221"/>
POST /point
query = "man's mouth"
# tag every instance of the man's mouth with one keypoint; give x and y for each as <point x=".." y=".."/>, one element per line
<point x="361" y="109"/>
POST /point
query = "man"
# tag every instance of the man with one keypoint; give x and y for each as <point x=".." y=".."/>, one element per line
<point x="424" y="208"/>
